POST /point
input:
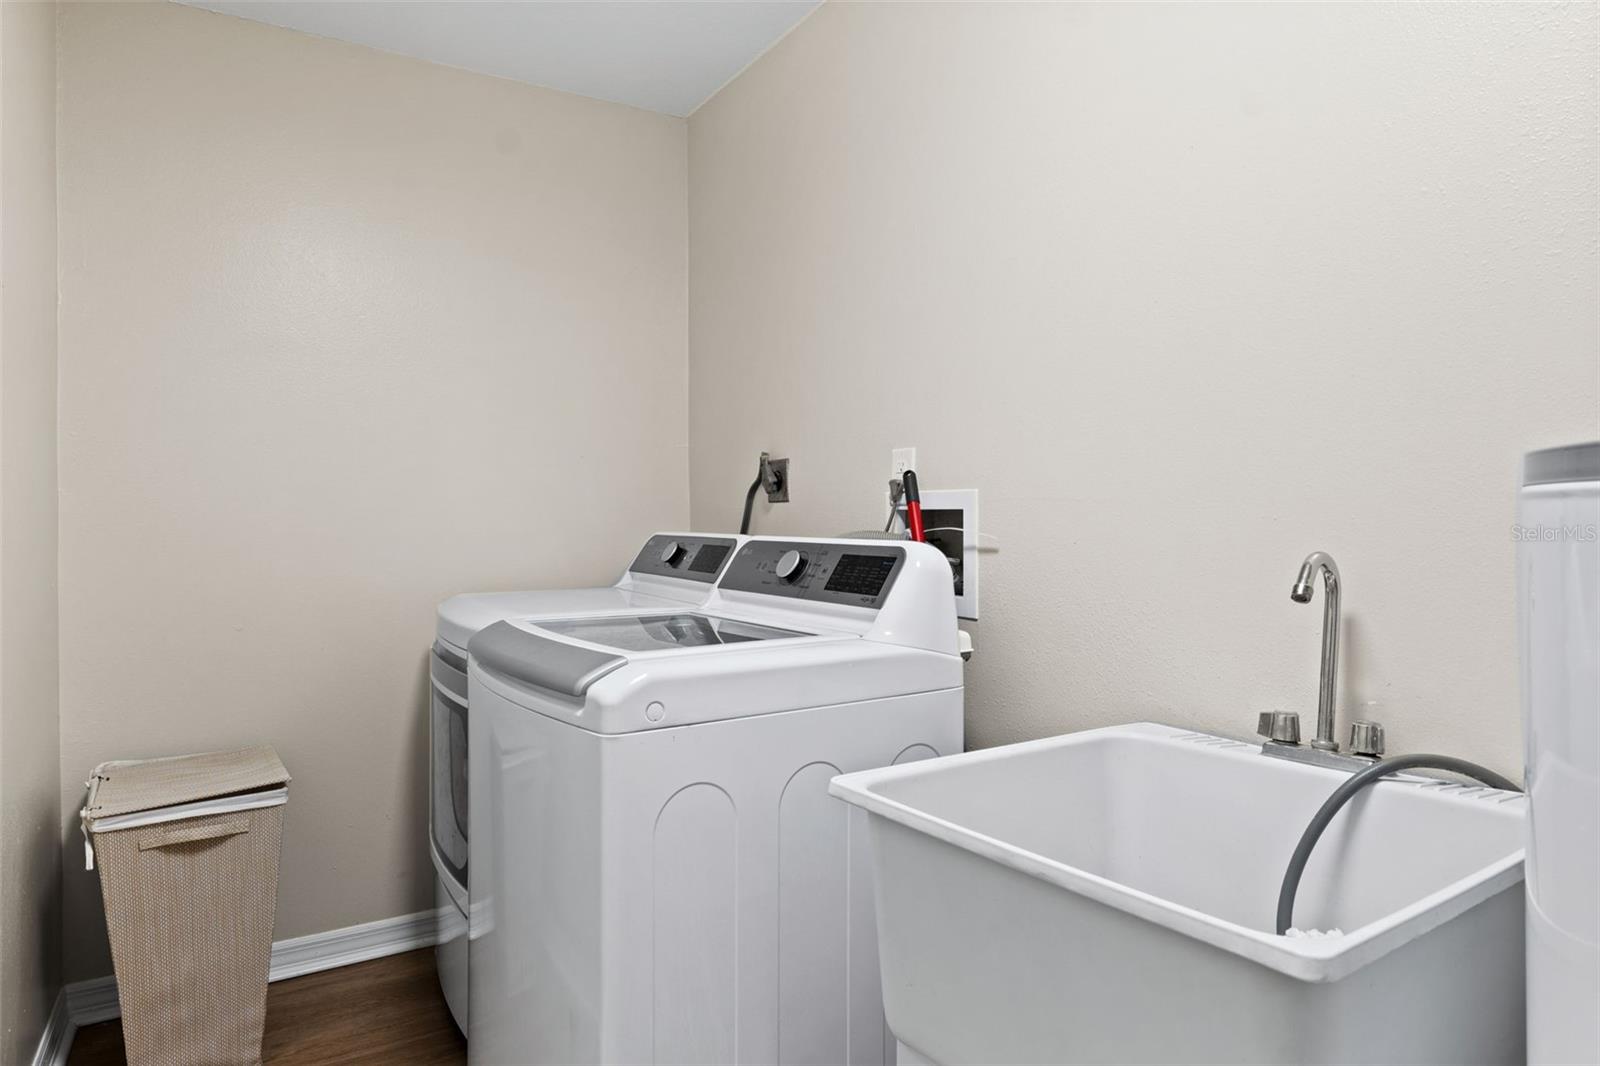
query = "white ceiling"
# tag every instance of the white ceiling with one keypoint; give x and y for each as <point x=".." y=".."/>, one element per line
<point x="662" y="55"/>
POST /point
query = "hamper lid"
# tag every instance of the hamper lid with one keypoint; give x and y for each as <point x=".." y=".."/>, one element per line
<point x="126" y="786"/>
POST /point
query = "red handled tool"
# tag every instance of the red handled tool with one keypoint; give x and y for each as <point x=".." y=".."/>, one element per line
<point x="913" y="506"/>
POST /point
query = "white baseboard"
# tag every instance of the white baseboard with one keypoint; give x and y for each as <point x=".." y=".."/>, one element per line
<point x="353" y="944"/>
<point x="57" y="1036"/>
<point x="87" y="1002"/>
<point x="91" y="1001"/>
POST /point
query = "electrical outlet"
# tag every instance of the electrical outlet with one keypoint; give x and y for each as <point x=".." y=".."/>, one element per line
<point x="901" y="460"/>
<point x="775" y="479"/>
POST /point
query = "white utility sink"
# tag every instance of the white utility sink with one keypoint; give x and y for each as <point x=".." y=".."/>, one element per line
<point x="1108" y="896"/>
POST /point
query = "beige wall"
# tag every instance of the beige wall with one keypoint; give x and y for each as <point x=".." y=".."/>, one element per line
<point x="1186" y="291"/>
<point x="342" y="334"/>
<point x="30" y="969"/>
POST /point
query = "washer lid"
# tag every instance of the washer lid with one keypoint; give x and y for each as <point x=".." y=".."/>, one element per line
<point x="462" y="616"/>
<point x="568" y="655"/>
<point x="664" y="632"/>
<point x="690" y="686"/>
<point x="552" y="664"/>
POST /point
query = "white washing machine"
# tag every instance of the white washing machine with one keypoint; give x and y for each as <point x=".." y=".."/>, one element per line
<point x="672" y="570"/>
<point x="659" y="874"/>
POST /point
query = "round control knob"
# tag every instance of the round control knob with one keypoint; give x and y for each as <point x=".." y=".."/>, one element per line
<point x="673" y="553"/>
<point x="791" y="564"/>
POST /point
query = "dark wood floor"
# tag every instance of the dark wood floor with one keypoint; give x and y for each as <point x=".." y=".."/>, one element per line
<point x="384" y="1011"/>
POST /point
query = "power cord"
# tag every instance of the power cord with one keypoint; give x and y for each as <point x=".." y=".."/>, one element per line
<point x="749" y="503"/>
<point x="897" y="489"/>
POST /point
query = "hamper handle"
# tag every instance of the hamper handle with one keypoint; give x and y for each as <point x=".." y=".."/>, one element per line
<point x="167" y="837"/>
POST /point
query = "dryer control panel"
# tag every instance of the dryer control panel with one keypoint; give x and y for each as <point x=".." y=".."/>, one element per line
<point x="854" y="575"/>
<point x="686" y="556"/>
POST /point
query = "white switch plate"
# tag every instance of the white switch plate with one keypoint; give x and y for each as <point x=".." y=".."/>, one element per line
<point x="964" y="502"/>
<point x="901" y="460"/>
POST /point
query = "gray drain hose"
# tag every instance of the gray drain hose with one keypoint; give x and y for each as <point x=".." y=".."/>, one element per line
<point x="1345" y="792"/>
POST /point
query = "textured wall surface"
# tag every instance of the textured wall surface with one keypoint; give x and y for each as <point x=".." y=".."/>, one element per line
<point x="342" y="334"/>
<point x="1187" y="291"/>
<point x="30" y="924"/>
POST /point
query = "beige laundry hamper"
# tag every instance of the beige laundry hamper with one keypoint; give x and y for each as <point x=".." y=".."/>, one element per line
<point x="188" y="855"/>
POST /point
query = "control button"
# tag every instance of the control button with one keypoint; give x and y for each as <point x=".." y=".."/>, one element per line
<point x="655" y="711"/>
<point x="791" y="565"/>
<point x="673" y="553"/>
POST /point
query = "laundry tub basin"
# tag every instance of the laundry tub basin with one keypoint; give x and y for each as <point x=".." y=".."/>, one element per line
<point x="1109" y="896"/>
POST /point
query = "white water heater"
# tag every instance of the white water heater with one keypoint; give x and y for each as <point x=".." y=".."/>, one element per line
<point x="1558" y="586"/>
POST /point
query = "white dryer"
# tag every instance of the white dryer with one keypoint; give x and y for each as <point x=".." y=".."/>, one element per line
<point x="672" y="570"/>
<point x="659" y="874"/>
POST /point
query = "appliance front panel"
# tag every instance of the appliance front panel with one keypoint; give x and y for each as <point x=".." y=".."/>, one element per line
<point x="734" y="920"/>
<point x="686" y="556"/>
<point x="845" y="574"/>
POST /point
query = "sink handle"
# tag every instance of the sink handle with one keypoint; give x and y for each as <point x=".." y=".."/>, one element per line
<point x="1280" y="726"/>
<point x="1366" y="738"/>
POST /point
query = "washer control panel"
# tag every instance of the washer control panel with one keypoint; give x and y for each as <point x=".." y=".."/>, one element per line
<point x="855" y="575"/>
<point x="689" y="557"/>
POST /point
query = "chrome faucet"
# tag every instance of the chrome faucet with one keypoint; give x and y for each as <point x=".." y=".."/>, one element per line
<point x="1328" y="684"/>
<point x="1282" y="728"/>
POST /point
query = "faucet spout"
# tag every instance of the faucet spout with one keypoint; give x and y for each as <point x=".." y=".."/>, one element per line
<point x="1327" y="685"/>
<point x="1303" y="587"/>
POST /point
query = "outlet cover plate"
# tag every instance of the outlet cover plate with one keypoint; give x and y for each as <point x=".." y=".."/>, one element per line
<point x="778" y="492"/>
